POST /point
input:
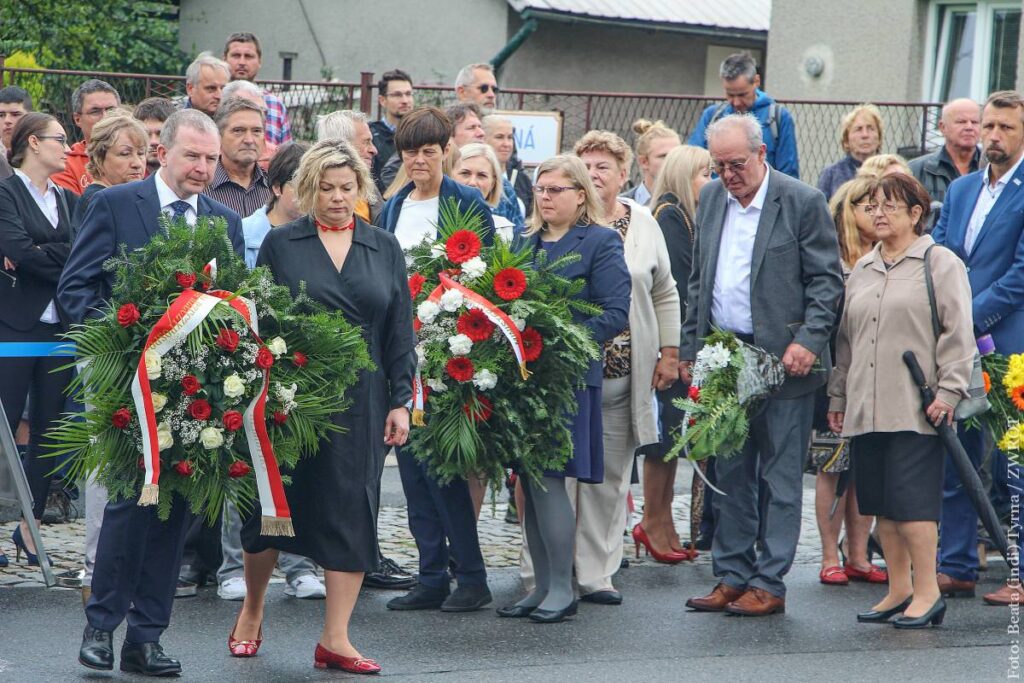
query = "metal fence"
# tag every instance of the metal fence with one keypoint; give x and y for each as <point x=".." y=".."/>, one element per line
<point x="910" y="128"/>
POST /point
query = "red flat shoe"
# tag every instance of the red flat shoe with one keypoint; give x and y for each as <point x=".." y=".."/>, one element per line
<point x="834" y="576"/>
<point x="325" y="659"/>
<point x="244" y="648"/>
<point x="874" y="575"/>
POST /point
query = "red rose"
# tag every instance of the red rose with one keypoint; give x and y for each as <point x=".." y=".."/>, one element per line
<point x="299" y="359"/>
<point x="238" y="469"/>
<point x="190" y="385"/>
<point x="692" y="421"/>
<point x="227" y="339"/>
<point x="475" y="325"/>
<point x="510" y="284"/>
<point x="280" y="418"/>
<point x="533" y="344"/>
<point x="483" y="411"/>
<point x="462" y="246"/>
<point x="694" y="393"/>
<point x="185" y="280"/>
<point x="184" y="468"/>
<point x="200" y="409"/>
<point x="121" y="418"/>
<point x="416" y="284"/>
<point x="264" y="358"/>
<point x="232" y="420"/>
<point x="128" y="315"/>
<point x="205" y="286"/>
<point x="460" y="369"/>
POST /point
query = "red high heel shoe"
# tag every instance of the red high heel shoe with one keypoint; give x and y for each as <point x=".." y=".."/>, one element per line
<point x="325" y="659"/>
<point x="640" y="538"/>
<point x="244" y="648"/>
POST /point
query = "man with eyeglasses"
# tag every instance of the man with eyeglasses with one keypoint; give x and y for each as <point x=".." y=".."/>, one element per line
<point x="395" y="98"/>
<point x="476" y="83"/>
<point x="766" y="268"/>
<point x="15" y="102"/>
<point x="90" y="102"/>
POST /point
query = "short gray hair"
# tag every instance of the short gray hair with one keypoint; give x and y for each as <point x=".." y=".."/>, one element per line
<point x="186" y="118"/>
<point x="93" y="85"/>
<point x="235" y="88"/>
<point x="204" y="59"/>
<point x="466" y="77"/>
<point x="747" y="122"/>
<point x="339" y="125"/>
<point x="230" y="106"/>
<point x="736" y="65"/>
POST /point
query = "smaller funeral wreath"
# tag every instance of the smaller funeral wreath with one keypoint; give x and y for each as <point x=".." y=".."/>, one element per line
<point x="204" y="379"/>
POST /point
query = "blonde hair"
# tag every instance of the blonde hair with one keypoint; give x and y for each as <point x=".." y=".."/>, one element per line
<point x="841" y="205"/>
<point x="104" y="135"/>
<point x="647" y="132"/>
<point x="479" y="149"/>
<point x="607" y="142"/>
<point x="876" y="165"/>
<point x="448" y="165"/>
<point x="681" y="166"/>
<point x="322" y="157"/>
<point x="872" y="111"/>
<point x="589" y="212"/>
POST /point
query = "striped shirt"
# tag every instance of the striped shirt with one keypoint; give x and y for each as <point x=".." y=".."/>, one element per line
<point x="243" y="200"/>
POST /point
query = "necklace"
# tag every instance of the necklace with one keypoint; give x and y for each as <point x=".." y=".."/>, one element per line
<point x="351" y="225"/>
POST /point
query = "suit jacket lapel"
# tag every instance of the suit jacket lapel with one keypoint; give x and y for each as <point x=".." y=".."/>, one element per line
<point x="148" y="204"/>
<point x="1005" y="199"/>
<point x="765" y="227"/>
<point x="710" y="232"/>
<point x="568" y="243"/>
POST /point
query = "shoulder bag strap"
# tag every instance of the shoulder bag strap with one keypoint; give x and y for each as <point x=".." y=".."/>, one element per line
<point x="931" y="291"/>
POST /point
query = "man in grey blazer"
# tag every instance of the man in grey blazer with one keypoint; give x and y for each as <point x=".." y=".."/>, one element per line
<point x="766" y="267"/>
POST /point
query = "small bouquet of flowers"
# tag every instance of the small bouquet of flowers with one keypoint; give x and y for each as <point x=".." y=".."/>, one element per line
<point x="1004" y="385"/>
<point x="499" y="356"/>
<point x="203" y="378"/>
<point x="730" y="381"/>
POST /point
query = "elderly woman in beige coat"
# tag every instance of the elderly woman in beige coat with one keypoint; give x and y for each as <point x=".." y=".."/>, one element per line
<point x="641" y="359"/>
<point x="898" y="459"/>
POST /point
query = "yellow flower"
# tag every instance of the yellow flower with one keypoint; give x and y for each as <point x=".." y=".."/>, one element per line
<point x="1011" y="440"/>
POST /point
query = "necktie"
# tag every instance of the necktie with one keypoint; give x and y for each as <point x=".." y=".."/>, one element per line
<point x="179" y="208"/>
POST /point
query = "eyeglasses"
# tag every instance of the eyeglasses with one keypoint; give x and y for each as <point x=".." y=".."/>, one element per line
<point x="487" y="87"/>
<point x="888" y="208"/>
<point x="735" y="166"/>
<point x="62" y="139"/>
<point x="552" y="190"/>
<point x="400" y="95"/>
<point x="96" y="112"/>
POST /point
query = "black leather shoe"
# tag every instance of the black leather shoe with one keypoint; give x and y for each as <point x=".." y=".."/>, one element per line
<point x="97" y="651"/>
<point x="611" y="597"/>
<point x="420" y="597"/>
<point x="389" y="576"/>
<point x="553" y="616"/>
<point x="148" y="659"/>
<point x="186" y="589"/>
<point x="702" y="543"/>
<point x="467" y="599"/>
<point x="932" y="617"/>
<point x="880" y="617"/>
<point x="515" y="611"/>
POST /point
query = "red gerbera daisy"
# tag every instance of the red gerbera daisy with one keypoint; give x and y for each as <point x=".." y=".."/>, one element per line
<point x="462" y="246"/>
<point x="533" y="344"/>
<point x="460" y="369"/>
<point x="416" y="284"/>
<point x="483" y="411"/>
<point x="510" y="283"/>
<point x="475" y="325"/>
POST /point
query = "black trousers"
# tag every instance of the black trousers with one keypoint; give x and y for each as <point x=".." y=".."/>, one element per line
<point x="35" y="379"/>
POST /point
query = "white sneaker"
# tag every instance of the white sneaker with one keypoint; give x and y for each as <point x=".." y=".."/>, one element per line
<point x="306" y="587"/>
<point x="232" y="589"/>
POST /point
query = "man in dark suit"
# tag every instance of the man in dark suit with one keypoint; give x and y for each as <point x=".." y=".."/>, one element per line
<point x="765" y="267"/>
<point x="138" y="555"/>
<point x="982" y="223"/>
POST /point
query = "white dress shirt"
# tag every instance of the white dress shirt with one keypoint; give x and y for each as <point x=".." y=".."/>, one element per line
<point x="167" y="197"/>
<point x="47" y="203"/>
<point x="730" y="299"/>
<point x="417" y="221"/>
<point x="986" y="200"/>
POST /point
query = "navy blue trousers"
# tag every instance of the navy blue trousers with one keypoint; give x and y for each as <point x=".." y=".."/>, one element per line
<point x="958" y="530"/>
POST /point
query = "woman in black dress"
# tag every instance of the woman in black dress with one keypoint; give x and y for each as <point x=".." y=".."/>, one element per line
<point x="350" y="266"/>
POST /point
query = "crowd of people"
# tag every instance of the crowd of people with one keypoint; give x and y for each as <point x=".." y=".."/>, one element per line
<point x="720" y="232"/>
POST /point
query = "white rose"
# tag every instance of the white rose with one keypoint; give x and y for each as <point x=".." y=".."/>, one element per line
<point x="153" y="364"/>
<point x="485" y="379"/>
<point x="474" y="268"/>
<point x="233" y="386"/>
<point x="437" y="385"/>
<point x="286" y="394"/>
<point x="277" y="346"/>
<point x="520" y="323"/>
<point x="427" y="312"/>
<point x="421" y="355"/>
<point x="460" y="345"/>
<point x="211" y="438"/>
<point x="164" y="438"/>
<point x="159" y="401"/>
<point x="438" y="250"/>
<point x="451" y="300"/>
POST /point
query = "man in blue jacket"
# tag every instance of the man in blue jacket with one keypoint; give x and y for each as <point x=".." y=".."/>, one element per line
<point x="981" y="222"/>
<point x="743" y="95"/>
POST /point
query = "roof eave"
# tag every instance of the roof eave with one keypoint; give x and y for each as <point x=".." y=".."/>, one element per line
<point x="690" y="29"/>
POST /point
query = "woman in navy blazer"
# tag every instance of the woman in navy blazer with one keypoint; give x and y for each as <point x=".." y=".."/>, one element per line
<point x="566" y="216"/>
<point x="35" y="239"/>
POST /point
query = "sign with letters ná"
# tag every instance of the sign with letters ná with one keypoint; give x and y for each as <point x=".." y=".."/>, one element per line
<point x="538" y="134"/>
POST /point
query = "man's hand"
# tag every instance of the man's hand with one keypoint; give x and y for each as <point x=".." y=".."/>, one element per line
<point x="797" y="360"/>
<point x="686" y="371"/>
<point x="396" y="429"/>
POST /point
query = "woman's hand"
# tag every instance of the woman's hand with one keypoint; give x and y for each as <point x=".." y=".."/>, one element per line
<point x="396" y="428"/>
<point x="667" y="370"/>
<point x="835" y="421"/>
<point x="939" y="412"/>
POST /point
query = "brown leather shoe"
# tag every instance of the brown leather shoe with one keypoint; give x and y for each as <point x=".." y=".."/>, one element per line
<point x="954" y="588"/>
<point x="1010" y="594"/>
<point x="715" y="601"/>
<point x="756" y="602"/>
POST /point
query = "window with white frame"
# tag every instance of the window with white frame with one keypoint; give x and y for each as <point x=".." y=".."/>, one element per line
<point x="974" y="48"/>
